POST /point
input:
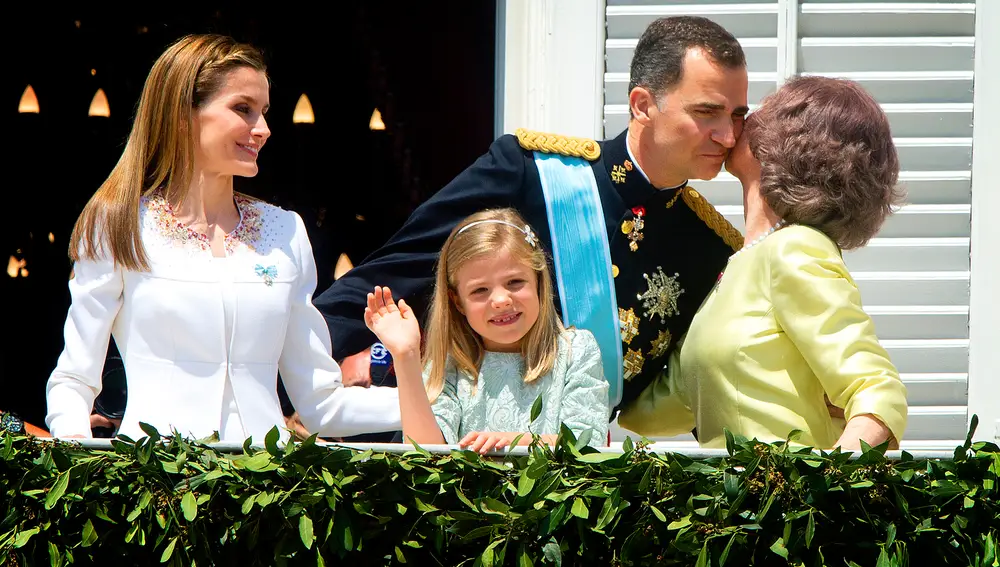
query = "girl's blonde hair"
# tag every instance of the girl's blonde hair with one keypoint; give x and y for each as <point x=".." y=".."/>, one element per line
<point x="449" y="334"/>
<point x="161" y="146"/>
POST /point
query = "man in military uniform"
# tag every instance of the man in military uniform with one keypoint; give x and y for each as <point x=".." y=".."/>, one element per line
<point x="665" y="244"/>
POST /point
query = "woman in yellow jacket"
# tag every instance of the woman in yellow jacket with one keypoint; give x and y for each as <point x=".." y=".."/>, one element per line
<point x="784" y="328"/>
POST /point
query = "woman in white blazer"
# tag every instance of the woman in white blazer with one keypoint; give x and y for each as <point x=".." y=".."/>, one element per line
<point x="207" y="292"/>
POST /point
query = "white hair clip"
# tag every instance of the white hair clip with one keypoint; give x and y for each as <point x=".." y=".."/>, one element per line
<point x="529" y="235"/>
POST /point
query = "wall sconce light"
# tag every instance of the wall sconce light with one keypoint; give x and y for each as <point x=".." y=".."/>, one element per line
<point x="99" y="105"/>
<point x="376" y="121"/>
<point x="16" y="268"/>
<point x="29" y="102"/>
<point x="303" y="113"/>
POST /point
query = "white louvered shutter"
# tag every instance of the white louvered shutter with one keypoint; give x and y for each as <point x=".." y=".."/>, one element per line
<point x="916" y="58"/>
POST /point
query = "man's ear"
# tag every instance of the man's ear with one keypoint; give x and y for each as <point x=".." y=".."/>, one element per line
<point x="642" y="102"/>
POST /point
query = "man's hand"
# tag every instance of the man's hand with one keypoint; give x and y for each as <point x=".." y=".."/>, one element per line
<point x="356" y="369"/>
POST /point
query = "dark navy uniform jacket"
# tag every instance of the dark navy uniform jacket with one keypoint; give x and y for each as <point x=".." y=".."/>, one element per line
<point x="674" y="266"/>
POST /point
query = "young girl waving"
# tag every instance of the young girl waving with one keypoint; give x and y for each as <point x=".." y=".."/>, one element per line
<point x="494" y="343"/>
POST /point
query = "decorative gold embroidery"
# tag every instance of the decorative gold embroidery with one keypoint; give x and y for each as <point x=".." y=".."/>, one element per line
<point x="585" y="148"/>
<point x="661" y="297"/>
<point x="713" y="218"/>
<point x="632" y="364"/>
<point x="660" y="344"/>
<point x="629" y="324"/>
<point x="618" y="174"/>
<point x="673" y="199"/>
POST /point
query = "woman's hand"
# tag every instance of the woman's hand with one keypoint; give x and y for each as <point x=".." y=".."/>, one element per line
<point x="395" y="326"/>
<point x="483" y="442"/>
<point x="869" y="428"/>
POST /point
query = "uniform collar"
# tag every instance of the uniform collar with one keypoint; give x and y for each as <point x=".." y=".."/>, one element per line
<point x="626" y="176"/>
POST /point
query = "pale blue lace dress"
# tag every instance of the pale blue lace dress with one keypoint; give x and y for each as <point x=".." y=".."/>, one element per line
<point x="574" y="393"/>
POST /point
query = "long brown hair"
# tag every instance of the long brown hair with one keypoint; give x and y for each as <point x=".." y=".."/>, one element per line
<point x="160" y="147"/>
<point x="449" y="334"/>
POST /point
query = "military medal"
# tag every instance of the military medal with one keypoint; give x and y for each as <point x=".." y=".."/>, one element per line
<point x="660" y="344"/>
<point x="632" y="363"/>
<point x="629" y="324"/>
<point x="661" y="297"/>
<point x="633" y="228"/>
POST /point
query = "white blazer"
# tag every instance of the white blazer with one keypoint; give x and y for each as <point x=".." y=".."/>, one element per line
<point x="201" y="336"/>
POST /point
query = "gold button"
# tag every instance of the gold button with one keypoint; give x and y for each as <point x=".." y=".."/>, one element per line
<point x="614" y="271"/>
<point x="693" y="193"/>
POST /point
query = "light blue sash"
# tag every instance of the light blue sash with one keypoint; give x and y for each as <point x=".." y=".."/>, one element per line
<point x="582" y="257"/>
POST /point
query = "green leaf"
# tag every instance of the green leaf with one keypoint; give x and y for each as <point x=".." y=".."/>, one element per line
<point x="57" y="490"/>
<point x="536" y="409"/>
<point x="552" y="553"/>
<point x="659" y="515"/>
<point x="681" y="523"/>
<point x="22" y="537"/>
<point x="306" y="530"/>
<point x="168" y="551"/>
<point x="725" y="552"/>
<point x="646" y="477"/>
<point x="890" y="535"/>
<point x="89" y="535"/>
<point x="779" y="547"/>
<point x="580" y="509"/>
<point x="55" y="558"/>
<point x="319" y="559"/>
<point x="883" y="557"/>
<point x="150" y="432"/>
<point x="247" y="504"/>
<point x="489" y="556"/>
<point x="597" y="457"/>
<point x="261" y="462"/>
<point x="525" y="559"/>
<point x="524" y="484"/>
<point x="810" y="530"/>
<point x="271" y="441"/>
<point x="189" y="506"/>
<point x="704" y="557"/>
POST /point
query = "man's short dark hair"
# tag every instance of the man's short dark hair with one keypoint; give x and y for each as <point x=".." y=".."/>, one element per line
<point x="658" y="61"/>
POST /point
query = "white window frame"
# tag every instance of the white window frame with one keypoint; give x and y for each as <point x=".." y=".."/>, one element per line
<point x="550" y="61"/>
<point x="550" y="77"/>
<point x="984" y="301"/>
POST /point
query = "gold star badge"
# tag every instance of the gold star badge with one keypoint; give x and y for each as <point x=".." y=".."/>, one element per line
<point x="660" y="344"/>
<point x="629" y="324"/>
<point x="632" y="365"/>
<point x="661" y="297"/>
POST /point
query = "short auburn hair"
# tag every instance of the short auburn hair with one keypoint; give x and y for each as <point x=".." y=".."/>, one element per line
<point x="827" y="158"/>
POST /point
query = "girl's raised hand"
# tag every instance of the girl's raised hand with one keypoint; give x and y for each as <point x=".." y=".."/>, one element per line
<point x="396" y="326"/>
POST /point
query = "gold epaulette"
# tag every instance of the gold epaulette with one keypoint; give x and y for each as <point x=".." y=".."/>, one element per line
<point x="534" y="141"/>
<point x="713" y="218"/>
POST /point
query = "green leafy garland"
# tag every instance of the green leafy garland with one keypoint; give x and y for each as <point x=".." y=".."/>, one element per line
<point x="178" y="502"/>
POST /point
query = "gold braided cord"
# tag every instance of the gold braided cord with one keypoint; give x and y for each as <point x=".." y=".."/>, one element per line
<point x="713" y="218"/>
<point x="585" y="148"/>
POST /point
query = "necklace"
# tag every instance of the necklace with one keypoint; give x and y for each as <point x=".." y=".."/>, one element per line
<point x="752" y="243"/>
